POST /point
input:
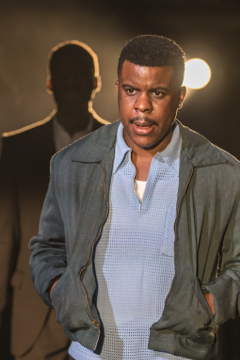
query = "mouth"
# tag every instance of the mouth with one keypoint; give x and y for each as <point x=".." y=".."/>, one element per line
<point x="142" y="126"/>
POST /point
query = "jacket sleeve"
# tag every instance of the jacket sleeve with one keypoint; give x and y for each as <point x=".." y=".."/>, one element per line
<point x="9" y="226"/>
<point x="48" y="252"/>
<point x="226" y="287"/>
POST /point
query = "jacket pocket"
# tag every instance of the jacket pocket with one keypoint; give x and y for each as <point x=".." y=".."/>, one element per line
<point x="202" y="299"/>
<point x="188" y="314"/>
<point x="69" y="302"/>
<point x="56" y="293"/>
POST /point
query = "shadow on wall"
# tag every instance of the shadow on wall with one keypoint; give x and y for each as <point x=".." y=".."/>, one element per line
<point x="25" y="45"/>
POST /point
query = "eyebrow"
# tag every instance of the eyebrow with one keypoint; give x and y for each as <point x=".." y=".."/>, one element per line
<point x="151" y="90"/>
<point x="159" y="88"/>
<point x="128" y="85"/>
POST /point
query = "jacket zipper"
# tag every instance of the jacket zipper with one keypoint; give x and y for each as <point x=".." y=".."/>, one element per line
<point x="94" y="321"/>
<point x="180" y="201"/>
<point x="176" y="219"/>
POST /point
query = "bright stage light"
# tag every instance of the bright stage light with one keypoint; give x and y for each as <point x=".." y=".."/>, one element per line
<point x="197" y="74"/>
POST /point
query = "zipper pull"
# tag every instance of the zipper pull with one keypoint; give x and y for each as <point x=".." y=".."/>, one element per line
<point x="140" y="205"/>
<point x="95" y="322"/>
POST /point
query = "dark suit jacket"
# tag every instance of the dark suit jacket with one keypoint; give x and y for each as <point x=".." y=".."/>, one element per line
<point x="24" y="177"/>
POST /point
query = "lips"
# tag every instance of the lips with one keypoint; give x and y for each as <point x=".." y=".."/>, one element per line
<point x="142" y="127"/>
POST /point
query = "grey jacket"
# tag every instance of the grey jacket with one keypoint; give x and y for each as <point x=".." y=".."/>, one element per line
<point x="207" y="242"/>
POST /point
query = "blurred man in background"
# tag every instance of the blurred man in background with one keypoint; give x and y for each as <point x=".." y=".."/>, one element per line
<point x="24" y="175"/>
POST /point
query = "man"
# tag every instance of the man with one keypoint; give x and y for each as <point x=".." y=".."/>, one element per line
<point x="24" y="175"/>
<point x="134" y="221"/>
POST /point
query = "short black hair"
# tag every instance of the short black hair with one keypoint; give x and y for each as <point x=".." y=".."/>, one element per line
<point x="153" y="50"/>
<point x="73" y="48"/>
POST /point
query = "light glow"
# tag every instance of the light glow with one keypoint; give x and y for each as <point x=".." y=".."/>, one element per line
<point x="197" y="74"/>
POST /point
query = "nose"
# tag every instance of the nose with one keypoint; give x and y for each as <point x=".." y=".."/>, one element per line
<point x="143" y="103"/>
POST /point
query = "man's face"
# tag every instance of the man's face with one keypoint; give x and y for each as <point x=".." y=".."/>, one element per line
<point x="148" y="98"/>
<point x="72" y="83"/>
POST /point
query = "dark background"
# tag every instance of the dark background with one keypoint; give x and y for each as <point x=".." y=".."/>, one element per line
<point x="208" y="29"/>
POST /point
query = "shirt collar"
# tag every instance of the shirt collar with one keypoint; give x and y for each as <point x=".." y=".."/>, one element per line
<point x="121" y="149"/>
<point x="171" y="154"/>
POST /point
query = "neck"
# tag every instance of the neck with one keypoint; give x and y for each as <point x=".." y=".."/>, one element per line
<point x="142" y="158"/>
<point x="73" y="119"/>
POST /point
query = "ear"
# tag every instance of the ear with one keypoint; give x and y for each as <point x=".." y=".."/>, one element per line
<point x="182" y="94"/>
<point x="117" y="85"/>
<point x="97" y="84"/>
<point x="49" y="85"/>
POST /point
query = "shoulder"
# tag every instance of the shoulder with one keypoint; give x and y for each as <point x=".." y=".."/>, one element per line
<point x="202" y="152"/>
<point x="231" y="159"/>
<point x="28" y="131"/>
<point x="35" y="139"/>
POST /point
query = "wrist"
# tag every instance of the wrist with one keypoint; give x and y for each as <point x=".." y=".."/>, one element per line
<point x="53" y="285"/>
<point x="210" y="300"/>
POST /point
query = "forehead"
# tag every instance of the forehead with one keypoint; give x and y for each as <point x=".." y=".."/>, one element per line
<point x="72" y="68"/>
<point x="152" y="76"/>
<point x="71" y="62"/>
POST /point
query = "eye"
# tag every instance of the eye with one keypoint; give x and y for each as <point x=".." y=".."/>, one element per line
<point x="158" y="93"/>
<point x="130" y="91"/>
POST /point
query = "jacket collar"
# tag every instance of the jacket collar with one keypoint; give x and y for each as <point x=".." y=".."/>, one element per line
<point x="200" y="152"/>
<point x="96" y="146"/>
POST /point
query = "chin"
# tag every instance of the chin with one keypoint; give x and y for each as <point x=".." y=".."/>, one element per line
<point x="146" y="145"/>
